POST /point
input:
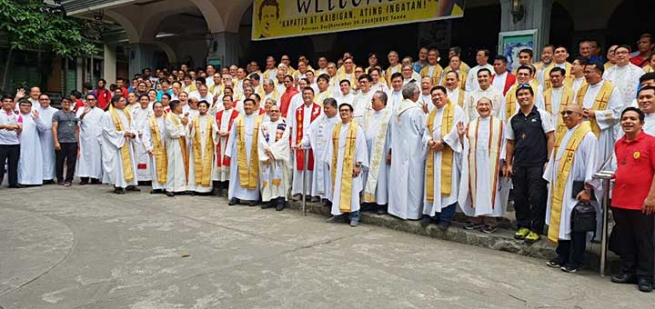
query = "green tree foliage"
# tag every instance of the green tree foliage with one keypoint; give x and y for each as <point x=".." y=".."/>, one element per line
<point x="31" y="24"/>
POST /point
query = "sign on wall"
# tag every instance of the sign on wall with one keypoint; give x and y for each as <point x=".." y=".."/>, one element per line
<point x="273" y="19"/>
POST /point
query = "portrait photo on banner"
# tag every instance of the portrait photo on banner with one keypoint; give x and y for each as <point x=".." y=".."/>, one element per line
<point x="510" y="43"/>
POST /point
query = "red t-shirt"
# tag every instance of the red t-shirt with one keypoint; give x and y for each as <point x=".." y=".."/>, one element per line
<point x="634" y="175"/>
<point x="103" y="96"/>
<point x="639" y="61"/>
<point x="78" y="104"/>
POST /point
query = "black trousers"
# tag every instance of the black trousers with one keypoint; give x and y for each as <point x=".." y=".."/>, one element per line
<point x="572" y="251"/>
<point x="530" y="197"/>
<point x="634" y="237"/>
<point x="9" y="154"/>
<point x="67" y="154"/>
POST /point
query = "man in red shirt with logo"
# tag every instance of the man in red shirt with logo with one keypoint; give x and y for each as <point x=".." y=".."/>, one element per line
<point x="633" y="201"/>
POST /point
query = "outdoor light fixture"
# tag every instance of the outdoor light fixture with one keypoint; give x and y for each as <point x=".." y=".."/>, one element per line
<point x="518" y="11"/>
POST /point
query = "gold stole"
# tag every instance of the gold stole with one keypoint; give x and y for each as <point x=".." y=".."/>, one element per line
<point x="388" y="72"/>
<point x="247" y="174"/>
<point x="510" y="102"/>
<point x="203" y="168"/>
<point x="446" y="154"/>
<point x="496" y="134"/>
<point x="212" y="89"/>
<point x="569" y="77"/>
<point x="182" y="141"/>
<point x="125" y="150"/>
<point x="320" y="96"/>
<point x="648" y="69"/>
<point x="377" y="157"/>
<point x="600" y="103"/>
<point x="341" y="75"/>
<point x="348" y="164"/>
<point x="563" y="170"/>
<point x="460" y="98"/>
<point x="161" y="160"/>
<point x="436" y="73"/>
<point x="461" y="74"/>
<point x="567" y="98"/>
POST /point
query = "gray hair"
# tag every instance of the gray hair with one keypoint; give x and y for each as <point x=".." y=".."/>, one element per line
<point x="382" y="96"/>
<point x="410" y="90"/>
<point x="268" y="81"/>
<point x="271" y="100"/>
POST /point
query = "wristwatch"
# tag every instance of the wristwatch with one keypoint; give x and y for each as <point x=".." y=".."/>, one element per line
<point x="358" y="164"/>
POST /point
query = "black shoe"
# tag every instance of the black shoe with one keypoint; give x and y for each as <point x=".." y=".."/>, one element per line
<point x="119" y="190"/>
<point x="84" y="181"/>
<point x="381" y="211"/>
<point x="624" y="278"/>
<point x="268" y="205"/>
<point x="280" y="205"/>
<point x="233" y="201"/>
<point x="170" y="194"/>
<point x="49" y="182"/>
<point x="133" y="189"/>
<point x="554" y="263"/>
<point x="155" y="191"/>
<point x="253" y="203"/>
<point x="645" y="285"/>
<point x="425" y="221"/>
<point x="95" y="181"/>
<point x="443" y="225"/>
<point x="571" y="268"/>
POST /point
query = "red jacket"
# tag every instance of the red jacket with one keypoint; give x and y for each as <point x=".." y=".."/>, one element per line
<point x="103" y="96"/>
<point x="509" y="81"/>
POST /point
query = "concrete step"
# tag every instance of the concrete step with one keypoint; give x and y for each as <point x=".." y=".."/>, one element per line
<point x="502" y="240"/>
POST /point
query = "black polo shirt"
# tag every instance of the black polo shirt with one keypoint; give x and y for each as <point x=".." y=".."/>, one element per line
<point x="529" y="135"/>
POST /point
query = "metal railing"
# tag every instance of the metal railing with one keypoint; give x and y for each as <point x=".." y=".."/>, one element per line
<point x="606" y="177"/>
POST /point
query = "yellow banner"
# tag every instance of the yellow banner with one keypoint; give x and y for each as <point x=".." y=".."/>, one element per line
<point x="273" y="19"/>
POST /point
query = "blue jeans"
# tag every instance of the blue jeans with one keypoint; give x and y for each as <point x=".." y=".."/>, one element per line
<point x="354" y="216"/>
<point x="446" y="214"/>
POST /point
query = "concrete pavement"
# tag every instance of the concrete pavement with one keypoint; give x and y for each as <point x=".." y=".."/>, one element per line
<point x="84" y="247"/>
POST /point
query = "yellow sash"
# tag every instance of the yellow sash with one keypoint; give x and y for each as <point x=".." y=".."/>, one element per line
<point x="161" y="160"/>
<point x="125" y="150"/>
<point x="248" y="171"/>
<point x="510" y="101"/>
<point x="436" y="73"/>
<point x="389" y="71"/>
<point x="348" y="164"/>
<point x="568" y="78"/>
<point x="446" y="154"/>
<point x="377" y="157"/>
<point x="600" y="103"/>
<point x="462" y="77"/>
<point x="203" y="168"/>
<point x="563" y="170"/>
<point x="182" y="141"/>
<point x="342" y="75"/>
<point x="496" y="134"/>
<point x="567" y="98"/>
<point x="212" y="89"/>
<point x="320" y="96"/>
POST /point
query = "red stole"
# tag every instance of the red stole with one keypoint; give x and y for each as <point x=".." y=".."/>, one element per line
<point x="219" y="117"/>
<point x="285" y="100"/>
<point x="300" y="154"/>
<point x="509" y="82"/>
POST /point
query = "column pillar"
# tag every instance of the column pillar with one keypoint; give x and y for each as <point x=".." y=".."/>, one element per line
<point x="226" y="48"/>
<point x="537" y="16"/>
<point x="109" y="63"/>
<point x="141" y="56"/>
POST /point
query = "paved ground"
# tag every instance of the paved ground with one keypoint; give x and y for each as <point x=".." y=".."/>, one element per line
<point x="83" y="247"/>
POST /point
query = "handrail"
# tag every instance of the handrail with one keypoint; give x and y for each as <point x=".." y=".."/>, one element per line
<point x="606" y="176"/>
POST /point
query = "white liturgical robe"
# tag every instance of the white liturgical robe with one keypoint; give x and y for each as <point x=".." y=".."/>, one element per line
<point x="360" y="156"/>
<point x="112" y="143"/>
<point x="30" y="164"/>
<point x="235" y="189"/>
<point x="407" y="160"/>
<point x="274" y="174"/>
<point x="607" y="119"/>
<point x="176" y="153"/>
<point x="140" y="118"/>
<point x="89" y="164"/>
<point x="483" y="192"/>
<point x="376" y="178"/>
<point x="451" y="138"/>
<point x="149" y="146"/>
<point x="208" y="135"/>
<point x="47" y="141"/>
<point x="585" y="164"/>
<point x="320" y="134"/>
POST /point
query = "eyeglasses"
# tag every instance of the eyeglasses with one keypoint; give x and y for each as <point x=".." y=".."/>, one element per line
<point x="90" y="99"/>
<point x="273" y="111"/>
<point x="344" y="111"/>
<point x="524" y="86"/>
<point x="566" y="113"/>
